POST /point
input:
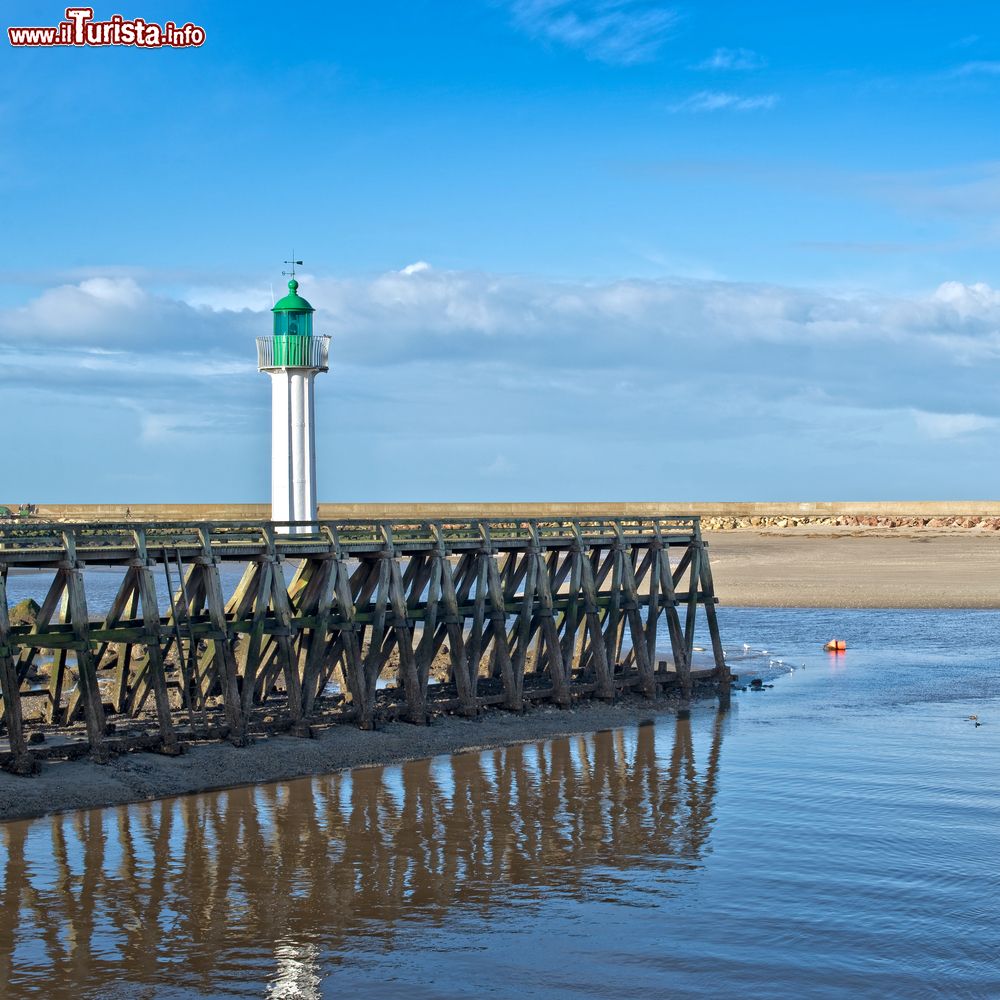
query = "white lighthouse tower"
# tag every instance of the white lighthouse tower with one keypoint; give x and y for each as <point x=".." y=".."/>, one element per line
<point x="293" y="357"/>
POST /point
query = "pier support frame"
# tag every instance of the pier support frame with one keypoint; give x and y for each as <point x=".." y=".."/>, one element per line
<point x="379" y="620"/>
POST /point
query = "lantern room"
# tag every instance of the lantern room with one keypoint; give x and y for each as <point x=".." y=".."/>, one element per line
<point x="293" y="316"/>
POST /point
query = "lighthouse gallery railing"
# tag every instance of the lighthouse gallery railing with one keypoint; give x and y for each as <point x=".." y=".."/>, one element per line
<point x="290" y="351"/>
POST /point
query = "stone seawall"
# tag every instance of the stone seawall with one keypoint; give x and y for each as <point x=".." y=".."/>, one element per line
<point x="717" y="516"/>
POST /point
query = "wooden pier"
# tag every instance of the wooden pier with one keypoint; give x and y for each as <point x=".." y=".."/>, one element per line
<point x="523" y="609"/>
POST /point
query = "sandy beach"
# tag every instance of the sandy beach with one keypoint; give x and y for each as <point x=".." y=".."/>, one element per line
<point x="862" y="568"/>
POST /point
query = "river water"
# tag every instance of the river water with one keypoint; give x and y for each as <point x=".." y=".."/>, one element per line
<point x="835" y="835"/>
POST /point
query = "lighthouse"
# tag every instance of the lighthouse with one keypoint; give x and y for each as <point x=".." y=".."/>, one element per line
<point x="293" y="358"/>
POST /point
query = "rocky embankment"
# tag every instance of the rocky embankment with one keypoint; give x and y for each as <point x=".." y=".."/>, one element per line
<point x="764" y="521"/>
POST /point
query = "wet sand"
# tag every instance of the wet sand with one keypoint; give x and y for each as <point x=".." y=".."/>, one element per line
<point x="816" y="568"/>
<point x="135" y="777"/>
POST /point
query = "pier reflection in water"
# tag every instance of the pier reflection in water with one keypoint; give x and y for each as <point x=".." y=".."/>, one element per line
<point x="271" y="889"/>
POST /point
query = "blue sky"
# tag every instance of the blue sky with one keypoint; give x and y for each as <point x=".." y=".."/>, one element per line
<point x="567" y="249"/>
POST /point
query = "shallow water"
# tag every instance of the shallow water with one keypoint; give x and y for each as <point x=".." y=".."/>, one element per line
<point x="103" y="583"/>
<point x="836" y="835"/>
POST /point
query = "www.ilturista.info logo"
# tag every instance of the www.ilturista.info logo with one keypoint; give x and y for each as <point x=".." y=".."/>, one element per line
<point x="80" y="28"/>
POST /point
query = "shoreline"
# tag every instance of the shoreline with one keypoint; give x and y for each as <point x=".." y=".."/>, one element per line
<point x="68" y="785"/>
<point x="810" y="567"/>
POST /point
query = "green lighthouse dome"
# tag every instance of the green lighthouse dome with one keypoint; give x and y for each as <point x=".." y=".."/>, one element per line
<point x="293" y="314"/>
<point x="292" y="302"/>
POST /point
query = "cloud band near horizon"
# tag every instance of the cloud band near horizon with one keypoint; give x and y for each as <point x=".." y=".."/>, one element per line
<point x="523" y="374"/>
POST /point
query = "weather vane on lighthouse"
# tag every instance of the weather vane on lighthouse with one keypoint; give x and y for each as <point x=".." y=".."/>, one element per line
<point x="293" y="357"/>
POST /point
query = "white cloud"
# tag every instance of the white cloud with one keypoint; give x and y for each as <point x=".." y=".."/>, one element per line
<point x="946" y="426"/>
<point x="77" y="311"/>
<point x="978" y="67"/>
<point x="416" y="268"/>
<point x="232" y="299"/>
<point x="733" y="59"/>
<point x="124" y="330"/>
<point x="969" y="301"/>
<point x="119" y="313"/>
<point x="621" y="32"/>
<point x="723" y="100"/>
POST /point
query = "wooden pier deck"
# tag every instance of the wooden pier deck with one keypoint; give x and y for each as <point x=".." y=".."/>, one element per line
<point x="523" y="609"/>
